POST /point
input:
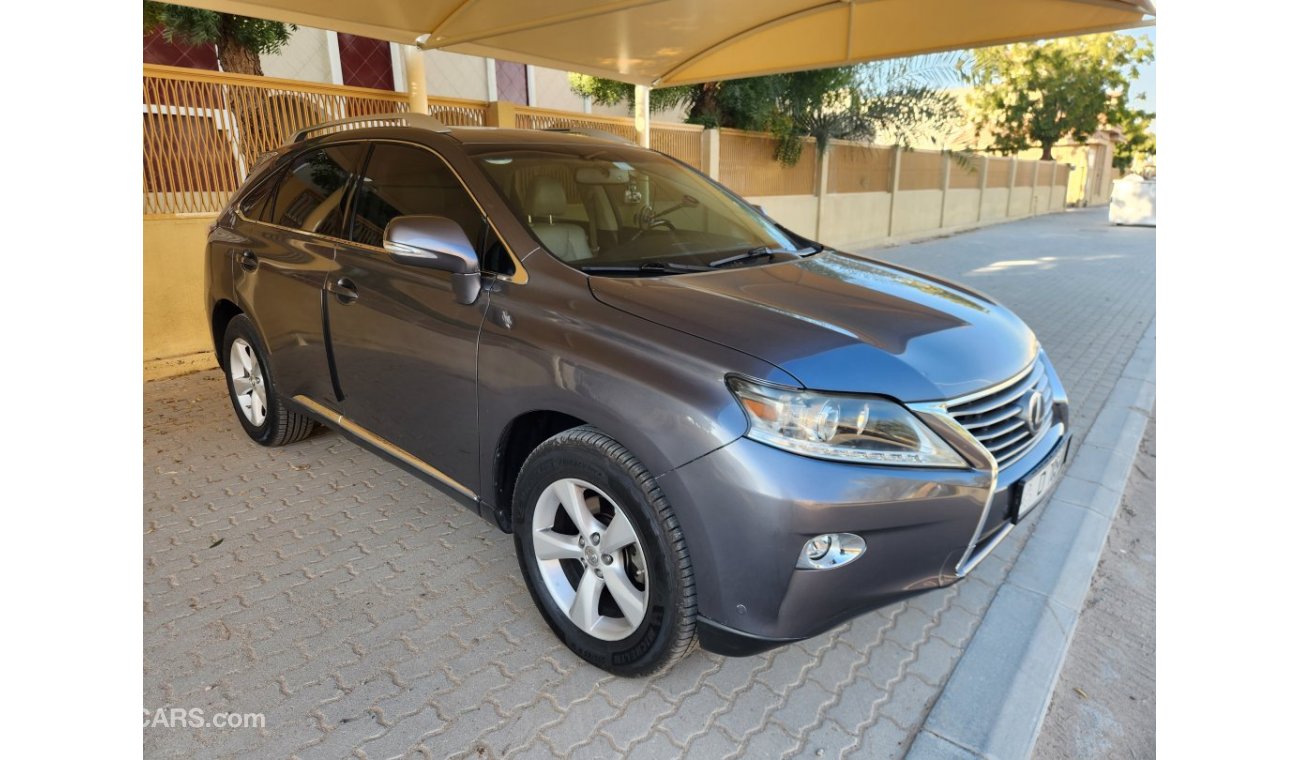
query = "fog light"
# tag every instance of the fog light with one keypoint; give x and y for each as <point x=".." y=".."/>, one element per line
<point x="817" y="548"/>
<point x="831" y="550"/>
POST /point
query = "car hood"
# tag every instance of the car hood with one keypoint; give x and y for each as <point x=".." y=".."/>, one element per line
<point x="841" y="323"/>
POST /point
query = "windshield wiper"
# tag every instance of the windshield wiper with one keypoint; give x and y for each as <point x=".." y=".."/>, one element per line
<point x="752" y="253"/>
<point x="760" y="252"/>
<point x="649" y="267"/>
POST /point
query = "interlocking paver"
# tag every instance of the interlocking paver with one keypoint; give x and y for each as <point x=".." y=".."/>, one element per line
<point x="364" y="613"/>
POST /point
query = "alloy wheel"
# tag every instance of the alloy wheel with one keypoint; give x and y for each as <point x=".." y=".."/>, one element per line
<point x="248" y="382"/>
<point x="590" y="559"/>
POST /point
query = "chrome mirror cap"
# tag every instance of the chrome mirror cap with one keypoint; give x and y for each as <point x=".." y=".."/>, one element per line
<point x="436" y="242"/>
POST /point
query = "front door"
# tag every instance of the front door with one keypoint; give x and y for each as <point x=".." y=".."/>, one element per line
<point x="404" y="349"/>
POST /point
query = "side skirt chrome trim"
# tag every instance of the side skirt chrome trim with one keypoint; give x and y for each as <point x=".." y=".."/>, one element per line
<point x="384" y="445"/>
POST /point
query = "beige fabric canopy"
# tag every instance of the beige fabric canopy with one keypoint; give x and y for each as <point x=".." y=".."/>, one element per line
<point x="670" y="42"/>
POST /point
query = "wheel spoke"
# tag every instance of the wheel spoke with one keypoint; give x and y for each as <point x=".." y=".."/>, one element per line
<point x="571" y="498"/>
<point x="619" y="533"/>
<point x="243" y="384"/>
<point x="626" y="596"/>
<point x="548" y="544"/>
<point x="258" y="407"/>
<point x="585" y="610"/>
<point x="245" y="354"/>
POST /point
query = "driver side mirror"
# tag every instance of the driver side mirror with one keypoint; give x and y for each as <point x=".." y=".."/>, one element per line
<point x="436" y="242"/>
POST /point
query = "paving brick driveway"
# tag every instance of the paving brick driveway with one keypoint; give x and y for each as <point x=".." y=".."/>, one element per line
<point x="363" y="613"/>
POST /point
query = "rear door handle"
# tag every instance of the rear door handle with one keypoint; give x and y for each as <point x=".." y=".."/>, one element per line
<point x="248" y="261"/>
<point x="343" y="289"/>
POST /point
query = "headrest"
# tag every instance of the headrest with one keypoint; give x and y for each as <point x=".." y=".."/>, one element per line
<point x="546" y="197"/>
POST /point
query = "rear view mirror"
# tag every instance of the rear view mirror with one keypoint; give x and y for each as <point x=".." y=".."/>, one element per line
<point x="436" y="242"/>
<point x="596" y="175"/>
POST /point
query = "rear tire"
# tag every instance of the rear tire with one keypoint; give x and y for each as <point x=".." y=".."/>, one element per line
<point x="603" y="555"/>
<point x="259" y="409"/>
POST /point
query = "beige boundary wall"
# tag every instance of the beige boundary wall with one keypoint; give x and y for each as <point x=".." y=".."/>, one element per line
<point x="857" y="219"/>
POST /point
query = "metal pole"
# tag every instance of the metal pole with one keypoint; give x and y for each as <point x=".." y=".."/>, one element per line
<point x="641" y="113"/>
<point x="417" y="91"/>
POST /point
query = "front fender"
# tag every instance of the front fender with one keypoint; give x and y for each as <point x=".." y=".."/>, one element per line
<point x="659" y="392"/>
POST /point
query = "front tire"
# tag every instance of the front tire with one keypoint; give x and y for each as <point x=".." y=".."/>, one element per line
<point x="603" y="555"/>
<point x="252" y="390"/>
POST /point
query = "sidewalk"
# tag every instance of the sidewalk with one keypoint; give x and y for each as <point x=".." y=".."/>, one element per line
<point x="364" y="613"/>
<point x="1104" y="705"/>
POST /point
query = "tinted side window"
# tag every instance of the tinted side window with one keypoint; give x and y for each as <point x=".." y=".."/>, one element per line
<point x="257" y="204"/>
<point x="310" y="194"/>
<point x="401" y="180"/>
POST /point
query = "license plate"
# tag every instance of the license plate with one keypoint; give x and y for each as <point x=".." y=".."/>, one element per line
<point x="1036" y="485"/>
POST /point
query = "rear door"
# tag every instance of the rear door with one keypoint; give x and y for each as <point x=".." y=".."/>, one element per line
<point x="291" y="227"/>
<point x="404" y="349"/>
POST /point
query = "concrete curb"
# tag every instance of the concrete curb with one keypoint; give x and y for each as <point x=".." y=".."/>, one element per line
<point x="994" y="703"/>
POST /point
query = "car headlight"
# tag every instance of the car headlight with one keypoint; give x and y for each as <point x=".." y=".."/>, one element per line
<point x="844" y="428"/>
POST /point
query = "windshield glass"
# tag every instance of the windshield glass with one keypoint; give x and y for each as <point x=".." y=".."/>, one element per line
<point x="614" y="210"/>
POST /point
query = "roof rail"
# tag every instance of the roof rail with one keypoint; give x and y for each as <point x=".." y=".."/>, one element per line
<point x="599" y="134"/>
<point x="421" y="120"/>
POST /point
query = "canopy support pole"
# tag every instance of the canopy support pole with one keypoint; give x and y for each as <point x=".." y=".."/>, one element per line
<point x="641" y="113"/>
<point x="417" y="88"/>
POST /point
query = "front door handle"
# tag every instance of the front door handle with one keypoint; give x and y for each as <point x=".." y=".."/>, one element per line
<point x="248" y="260"/>
<point x="343" y="289"/>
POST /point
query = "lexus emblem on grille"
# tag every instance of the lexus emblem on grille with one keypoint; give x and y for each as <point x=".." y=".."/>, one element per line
<point x="1035" y="412"/>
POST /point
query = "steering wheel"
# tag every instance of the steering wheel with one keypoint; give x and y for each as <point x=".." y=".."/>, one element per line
<point x="647" y="220"/>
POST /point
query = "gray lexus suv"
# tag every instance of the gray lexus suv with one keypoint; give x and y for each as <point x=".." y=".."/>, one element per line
<point x="697" y="424"/>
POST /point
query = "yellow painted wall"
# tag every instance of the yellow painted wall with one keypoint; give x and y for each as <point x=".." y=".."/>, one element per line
<point x="176" y="338"/>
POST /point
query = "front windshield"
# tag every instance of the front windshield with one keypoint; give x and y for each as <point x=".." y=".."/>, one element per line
<point x="612" y="210"/>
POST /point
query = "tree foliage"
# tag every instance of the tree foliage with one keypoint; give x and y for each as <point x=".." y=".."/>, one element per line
<point x="610" y="92"/>
<point x="903" y="99"/>
<point x="240" y="40"/>
<point x="1043" y="93"/>
<point x="1139" y="137"/>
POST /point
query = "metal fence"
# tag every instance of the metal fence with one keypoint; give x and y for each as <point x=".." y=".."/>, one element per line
<point x="529" y="117"/>
<point x="203" y="130"/>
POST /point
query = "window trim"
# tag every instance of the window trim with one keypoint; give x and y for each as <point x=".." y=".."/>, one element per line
<point x="276" y="174"/>
<point x="520" y="275"/>
<point x="349" y="184"/>
<point x="272" y="177"/>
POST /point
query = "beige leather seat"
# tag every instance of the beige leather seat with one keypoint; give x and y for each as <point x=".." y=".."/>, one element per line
<point x="546" y="200"/>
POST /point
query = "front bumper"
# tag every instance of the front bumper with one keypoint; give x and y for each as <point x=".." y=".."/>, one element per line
<point x="747" y="509"/>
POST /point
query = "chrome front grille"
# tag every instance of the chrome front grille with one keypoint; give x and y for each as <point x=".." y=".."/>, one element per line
<point x="999" y="417"/>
